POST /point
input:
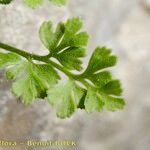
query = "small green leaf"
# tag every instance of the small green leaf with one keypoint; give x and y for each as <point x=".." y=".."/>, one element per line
<point x="113" y="87"/>
<point x="35" y="82"/>
<point x="67" y="44"/>
<point x="101" y="59"/>
<point x="8" y="59"/>
<point x="103" y="82"/>
<point x="49" y="38"/>
<point x="100" y="79"/>
<point x="113" y="103"/>
<point x="93" y="102"/>
<point x="73" y="36"/>
<point x="73" y="25"/>
<point x="65" y="98"/>
<point x="70" y="58"/>
<point x="26" y="89"/>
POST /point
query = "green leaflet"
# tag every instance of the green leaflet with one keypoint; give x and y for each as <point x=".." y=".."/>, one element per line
<point x="8" y="59"/>
<point x="101" y="59"/>
<point x="113" y="87"/>
<point x="67" y="44"/>
<point x="49" y="38"/>
<point x="113" y="103"/>
<point x="93" y="102"/>
<point x="65" y="98"/>
<point x="100" y="79"/>
<point x="36" y="81"/>
<point x="103" y="83"/>
<point x="31" y="80"/>
<point x="26" y="89"/>
<point x="70" y="58"/>
<point x="97" y="101"/>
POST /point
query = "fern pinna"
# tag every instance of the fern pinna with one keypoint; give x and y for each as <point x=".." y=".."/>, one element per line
<point x="33" y="76"/>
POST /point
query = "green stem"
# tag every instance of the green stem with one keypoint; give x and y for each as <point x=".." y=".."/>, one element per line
<point x="45" y="58"/>
<point x="19" y="51"/>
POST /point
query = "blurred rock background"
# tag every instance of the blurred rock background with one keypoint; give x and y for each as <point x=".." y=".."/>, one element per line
<point x="122" y="25"/>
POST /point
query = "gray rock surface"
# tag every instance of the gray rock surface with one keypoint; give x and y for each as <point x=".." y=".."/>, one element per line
<point x="122" y="25"/>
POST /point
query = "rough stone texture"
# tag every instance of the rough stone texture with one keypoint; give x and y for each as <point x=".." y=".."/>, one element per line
<point x="122" y="25"/>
